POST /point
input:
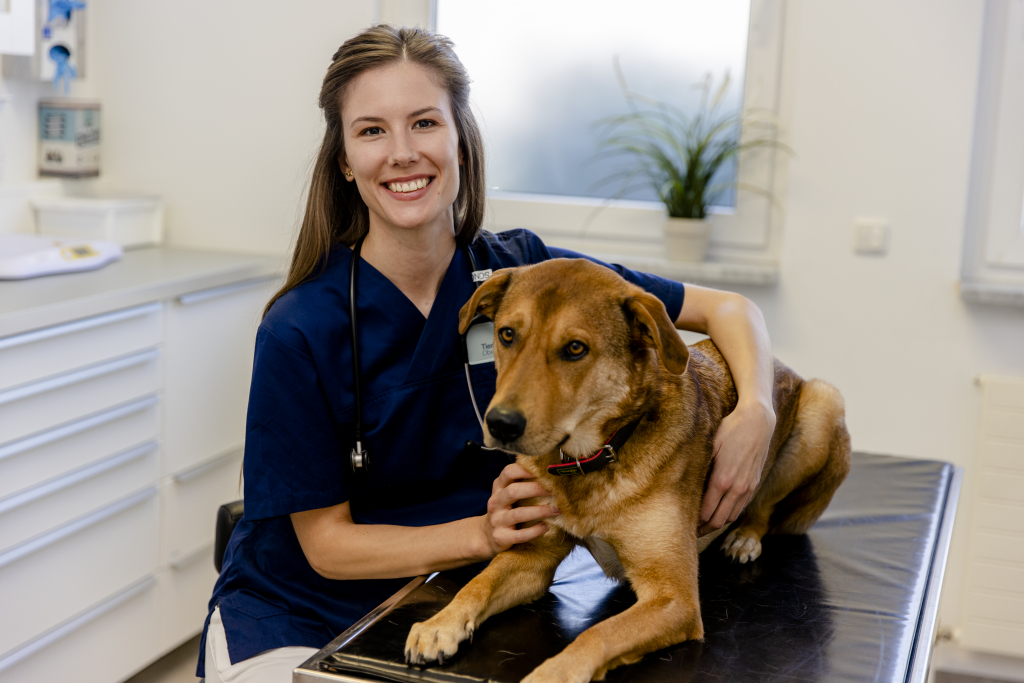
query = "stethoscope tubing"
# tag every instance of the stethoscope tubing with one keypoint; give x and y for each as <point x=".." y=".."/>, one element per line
<point x="360" y="457"/>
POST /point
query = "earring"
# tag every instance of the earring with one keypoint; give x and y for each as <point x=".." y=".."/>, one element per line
<point x="348" y="174"/>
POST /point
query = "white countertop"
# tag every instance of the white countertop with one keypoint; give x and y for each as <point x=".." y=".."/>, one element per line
<point x="143" y="275"/>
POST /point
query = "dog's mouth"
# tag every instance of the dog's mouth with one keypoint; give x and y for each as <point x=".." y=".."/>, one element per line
<point x="531" y="448"/>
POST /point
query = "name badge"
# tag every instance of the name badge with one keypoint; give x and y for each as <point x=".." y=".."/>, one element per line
<point x="481" y="275"/>
<point x="480" y="343"/>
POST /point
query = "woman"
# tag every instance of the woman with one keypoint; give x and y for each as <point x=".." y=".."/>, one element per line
<point x="400" y="177"/>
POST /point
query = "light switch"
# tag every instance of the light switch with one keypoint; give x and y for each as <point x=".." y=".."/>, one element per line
<point x="871" y="236"/>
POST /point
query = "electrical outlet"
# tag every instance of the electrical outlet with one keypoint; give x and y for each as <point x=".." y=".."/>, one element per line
<point x="871" y="236"/>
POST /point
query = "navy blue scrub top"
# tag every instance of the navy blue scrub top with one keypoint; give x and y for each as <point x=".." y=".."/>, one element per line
<point x="417" y="417"/>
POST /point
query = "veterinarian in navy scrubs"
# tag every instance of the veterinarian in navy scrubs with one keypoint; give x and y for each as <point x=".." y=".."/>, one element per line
<point x="320" y="546"/>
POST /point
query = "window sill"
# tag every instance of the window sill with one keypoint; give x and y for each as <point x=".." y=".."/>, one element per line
<point x="715" y="273"/>
<point x="629" y="233"/>
<point x="988" y="294"/>
<point x="698" y="273"/>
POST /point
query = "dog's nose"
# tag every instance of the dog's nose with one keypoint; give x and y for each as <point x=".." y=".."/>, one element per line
<point x="505" y="424"/>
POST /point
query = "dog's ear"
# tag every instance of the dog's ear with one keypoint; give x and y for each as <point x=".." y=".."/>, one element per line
<point x="486" y="298"/>
<point x="649" y="319"/>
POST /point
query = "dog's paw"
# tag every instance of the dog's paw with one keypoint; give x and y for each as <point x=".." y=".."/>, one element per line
<point x="436" y="639"/>
<point x="742" y="545"/>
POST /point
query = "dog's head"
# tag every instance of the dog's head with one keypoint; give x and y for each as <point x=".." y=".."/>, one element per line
<point x="576" y="346"/>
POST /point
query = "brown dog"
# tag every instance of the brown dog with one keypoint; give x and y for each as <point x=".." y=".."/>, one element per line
<point x="583" y="355"/>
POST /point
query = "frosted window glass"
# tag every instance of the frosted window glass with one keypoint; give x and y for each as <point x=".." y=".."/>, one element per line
<point x="543" y="77"/>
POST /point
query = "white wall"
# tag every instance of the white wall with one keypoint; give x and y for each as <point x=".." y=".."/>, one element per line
<point x="882" y="102"/>
<point x="214" y="106"/>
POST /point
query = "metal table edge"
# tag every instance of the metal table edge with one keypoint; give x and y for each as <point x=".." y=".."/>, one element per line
<point x="309" y="671"/>
<point x="921" y="652"/>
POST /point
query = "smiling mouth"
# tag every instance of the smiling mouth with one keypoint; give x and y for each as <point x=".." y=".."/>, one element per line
<point x="410" y="186"/>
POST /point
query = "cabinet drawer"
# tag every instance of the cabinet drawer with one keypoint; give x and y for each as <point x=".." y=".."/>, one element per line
<point x="58" y="501"/>
<point x="34" y="408"/>
<point x="51" y="351"/>
<point x="191" y="499"/>
<point x="210" y="338"/>
<point x="185" y="590"/>
<point x="54" y="577"/>
<point x="106" y="643"/>
<point x="33" y="460"/>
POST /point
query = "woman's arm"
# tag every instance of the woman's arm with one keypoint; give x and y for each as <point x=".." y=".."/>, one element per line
<point x="338" y="548"/>
<point x="737" y="328"/>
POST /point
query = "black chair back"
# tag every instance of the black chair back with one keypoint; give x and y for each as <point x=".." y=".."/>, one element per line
<point x="227" y="518"/>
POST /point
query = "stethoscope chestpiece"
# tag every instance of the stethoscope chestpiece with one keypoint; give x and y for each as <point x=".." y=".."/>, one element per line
<point x="359" y="459"/>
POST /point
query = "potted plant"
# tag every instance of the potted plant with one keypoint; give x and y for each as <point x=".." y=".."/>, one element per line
<point x="679" y="155"/>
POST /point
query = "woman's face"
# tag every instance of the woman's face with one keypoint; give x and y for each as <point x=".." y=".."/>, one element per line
<point x="402" y="147"/>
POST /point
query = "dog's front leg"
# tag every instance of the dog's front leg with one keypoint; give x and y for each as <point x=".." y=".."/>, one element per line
<point x="520" y="574"/>
<point x="667" y="611"/>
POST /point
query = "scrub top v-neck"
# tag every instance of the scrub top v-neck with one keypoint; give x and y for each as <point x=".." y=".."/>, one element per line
<point x="417" y="417"/>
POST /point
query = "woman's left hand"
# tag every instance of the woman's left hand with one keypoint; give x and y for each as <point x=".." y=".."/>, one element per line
<point x="740" y="449"/>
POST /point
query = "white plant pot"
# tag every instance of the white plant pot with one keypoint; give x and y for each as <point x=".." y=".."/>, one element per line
<point x="686" y="239"/>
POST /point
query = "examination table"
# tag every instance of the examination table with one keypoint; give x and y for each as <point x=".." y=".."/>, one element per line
<point x="853" y="600"/>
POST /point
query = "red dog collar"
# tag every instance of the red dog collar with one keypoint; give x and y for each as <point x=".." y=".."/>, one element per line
<point x="604" y="456"/>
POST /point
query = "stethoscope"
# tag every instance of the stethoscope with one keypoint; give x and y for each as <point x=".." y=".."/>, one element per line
<point x="476" y="347"/>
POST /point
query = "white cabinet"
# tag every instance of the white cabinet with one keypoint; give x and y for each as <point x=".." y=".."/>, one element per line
<point x="120" y="435"/>
<point x="208" y="364"/>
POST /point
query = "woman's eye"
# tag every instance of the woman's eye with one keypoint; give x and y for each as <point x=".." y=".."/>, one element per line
<point x="372" y="130"/>
<point x="506" y="335"/>
<point x="575" y="350"/>
<point x="424" y="123"/>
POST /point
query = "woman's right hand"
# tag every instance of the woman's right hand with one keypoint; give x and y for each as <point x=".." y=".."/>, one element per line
<point x="514" y="484"/>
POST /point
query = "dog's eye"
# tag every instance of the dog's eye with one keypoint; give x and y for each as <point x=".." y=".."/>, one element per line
<point x="506" y="335"/>
<point x="575" y="350"/>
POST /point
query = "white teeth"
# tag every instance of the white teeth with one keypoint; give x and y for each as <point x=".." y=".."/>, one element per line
<point x="409" y="187"/>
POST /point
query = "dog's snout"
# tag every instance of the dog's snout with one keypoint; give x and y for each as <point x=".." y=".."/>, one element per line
<point x="505" y="424"/>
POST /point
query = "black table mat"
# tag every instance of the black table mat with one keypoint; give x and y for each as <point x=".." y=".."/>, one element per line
<point x="841" y="603"/>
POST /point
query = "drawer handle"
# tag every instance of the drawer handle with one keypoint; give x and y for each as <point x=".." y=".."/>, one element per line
<point x="214" y="292"/>
<point x="78" y="325"/>
<point x="72" y="428"/>
<point x="77" y="376"/>
<point x="62" y="631"/>
<point x="197" y="470"/>
<point x="75" y="476"/>
<point x="49" y="538"/>
<point x="192" y="556"/>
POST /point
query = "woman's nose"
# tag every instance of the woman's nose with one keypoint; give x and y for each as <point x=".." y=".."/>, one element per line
<point x="402" y="150"/>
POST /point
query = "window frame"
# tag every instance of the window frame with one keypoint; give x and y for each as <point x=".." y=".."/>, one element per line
<point x="992" y="269"/>
<point x="747" y="236"/>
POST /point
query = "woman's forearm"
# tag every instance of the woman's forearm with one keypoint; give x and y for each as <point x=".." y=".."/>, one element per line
<point x="338" y="548"/>
<point x="737" y="328"/>
<point x="739" y="332"/>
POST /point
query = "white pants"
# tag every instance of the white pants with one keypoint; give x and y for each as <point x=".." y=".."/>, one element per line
<point x="272" y="666"/>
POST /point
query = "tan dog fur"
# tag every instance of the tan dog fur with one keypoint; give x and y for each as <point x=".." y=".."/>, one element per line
<point x="645" y="506"/>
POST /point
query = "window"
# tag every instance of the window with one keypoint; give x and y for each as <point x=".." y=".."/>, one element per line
<point x="543" y="83"/>
<point x="993" y="261"/>
<point x="543" y="76"/>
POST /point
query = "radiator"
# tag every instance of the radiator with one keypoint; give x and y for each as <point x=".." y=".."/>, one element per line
<point x="994" y="596"/>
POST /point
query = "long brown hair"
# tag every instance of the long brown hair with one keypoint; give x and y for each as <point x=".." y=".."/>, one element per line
<point x="335" y="213"/>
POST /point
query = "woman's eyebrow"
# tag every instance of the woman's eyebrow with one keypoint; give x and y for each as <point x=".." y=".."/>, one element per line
<point x="421" y="112"/>
<point x="377" y="119"/>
